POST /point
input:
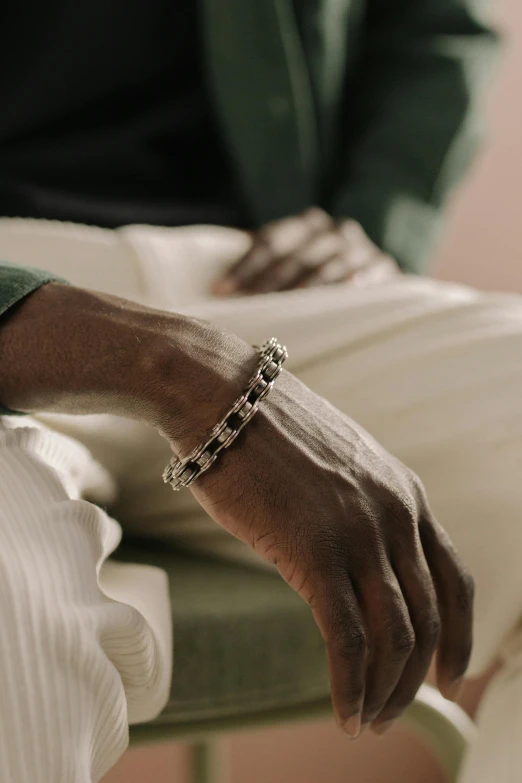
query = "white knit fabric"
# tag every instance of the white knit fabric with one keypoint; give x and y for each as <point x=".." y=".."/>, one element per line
<point x="433" y="371"/>
<point x="76" y="664"/>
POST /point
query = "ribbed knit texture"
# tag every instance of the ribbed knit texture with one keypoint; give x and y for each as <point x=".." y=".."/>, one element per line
<point x="76" y="665"/>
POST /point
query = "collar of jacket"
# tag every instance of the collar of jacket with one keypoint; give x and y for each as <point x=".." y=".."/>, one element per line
<point x="260" y="84"/>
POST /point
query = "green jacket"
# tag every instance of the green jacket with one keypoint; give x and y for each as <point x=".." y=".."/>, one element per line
<point x="365" y="107"/>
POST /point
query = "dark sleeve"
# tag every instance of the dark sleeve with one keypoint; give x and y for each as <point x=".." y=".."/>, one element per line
<point x="413" y="105"/>
<point x="16" y="282"/>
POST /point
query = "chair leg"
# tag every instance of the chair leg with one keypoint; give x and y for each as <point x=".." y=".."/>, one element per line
<point x="444" y="727"/>
<point x="209" y="762"/>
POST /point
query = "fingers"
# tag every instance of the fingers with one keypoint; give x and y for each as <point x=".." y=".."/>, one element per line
<point x="384" y="623"/>
<point x="335" y="254"/>
<point x="438" y="593"/>
<point x="327" y="253"/>
<point x="337" y="615"/>
<point x="391" y="639"/>
<point x="418" y="591"/>
<point x="359" y="268"/>
<point x="378" y="654"/>
<point x="274" y="242"/>
<point x="455" y="591"/>
<point x="306" y="250"/>
<point x="292" y="270"/>
<point x="276" y="261"/>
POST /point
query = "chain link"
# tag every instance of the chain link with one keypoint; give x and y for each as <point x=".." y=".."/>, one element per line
<point x="181" y="473"/>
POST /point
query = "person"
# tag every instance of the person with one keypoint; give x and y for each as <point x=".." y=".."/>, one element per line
<point x="333" y="135"/>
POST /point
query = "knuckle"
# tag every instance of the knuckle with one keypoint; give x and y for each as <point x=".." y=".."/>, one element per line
<point x="273" y="226"/>
<point x="254" y="263"/>
<point x="417" y="490"/>
<point x="409" y="513"/>
<point x="329" y="551"/>
<point x="415" y="481"/>
<point x="315" y="214"/>
<point x="404" y="513"/>
<point x="350" y="229"/>
<point x="287" y="269"/>
<point x="353" y="644"/>
<point x="267" y="241"/>
<point x="401" y="641"/>
<point x="428" y="635"/>
<point x="333" y="270"/>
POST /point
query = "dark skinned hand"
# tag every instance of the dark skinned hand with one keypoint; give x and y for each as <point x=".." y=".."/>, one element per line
<point x="349" y="528"/>
<point x="306" y="250"/>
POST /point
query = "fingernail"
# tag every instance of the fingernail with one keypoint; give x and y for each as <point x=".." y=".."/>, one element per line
<point x="381" y="728"/>
<point x="352" y="726"/>
<point x="453" y="690"/>
<point x="225" y="287"/>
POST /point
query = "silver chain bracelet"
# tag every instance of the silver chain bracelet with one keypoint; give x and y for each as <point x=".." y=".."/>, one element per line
<point x="181" y="473"/>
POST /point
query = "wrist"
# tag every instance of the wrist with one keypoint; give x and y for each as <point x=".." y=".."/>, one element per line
<point x="194" y="373"/>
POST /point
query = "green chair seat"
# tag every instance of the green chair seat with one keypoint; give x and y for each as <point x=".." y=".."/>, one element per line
<point x="244" y="643"/>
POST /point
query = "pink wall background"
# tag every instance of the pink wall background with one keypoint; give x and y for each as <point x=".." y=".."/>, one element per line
<point x="483" y="247"/>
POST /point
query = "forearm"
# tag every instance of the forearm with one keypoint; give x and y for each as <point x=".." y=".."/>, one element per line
<point x="69" y="350"/>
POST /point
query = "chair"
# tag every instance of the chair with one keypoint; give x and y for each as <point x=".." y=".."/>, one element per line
<point x="247" y="654"/>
